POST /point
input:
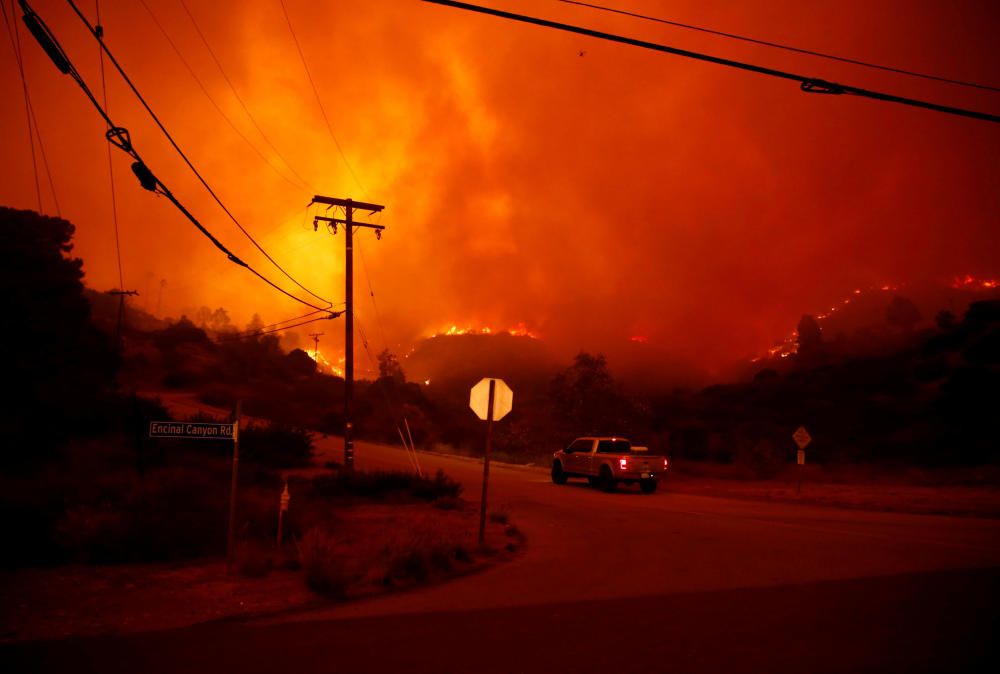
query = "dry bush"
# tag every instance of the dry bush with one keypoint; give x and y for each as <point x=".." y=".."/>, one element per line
<point x="324" y="568"/>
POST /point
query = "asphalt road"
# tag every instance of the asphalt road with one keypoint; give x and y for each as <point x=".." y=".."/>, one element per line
<point x="627" y="582"/>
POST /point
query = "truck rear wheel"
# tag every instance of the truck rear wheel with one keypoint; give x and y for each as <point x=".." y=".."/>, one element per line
<point x="559" y="476"/>
<point x="608" y="483"/>
<point x="647" y="486"/>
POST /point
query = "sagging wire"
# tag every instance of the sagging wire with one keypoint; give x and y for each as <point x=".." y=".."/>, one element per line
<point x="177" y="147"/>
<point x="259" y="333"/>
<point x="120" y="138"/>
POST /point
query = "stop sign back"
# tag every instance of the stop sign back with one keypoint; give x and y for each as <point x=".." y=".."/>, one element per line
<point x="503" y="399"/>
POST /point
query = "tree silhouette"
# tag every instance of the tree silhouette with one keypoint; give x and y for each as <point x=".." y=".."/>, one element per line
<point x="902" y="313"/>
<point x="57" y="362"/>
<point x="810" y="336"/>
<point x="945" y="320"/>
<point x="389" y="367"/>
<point x="587" y="400"/>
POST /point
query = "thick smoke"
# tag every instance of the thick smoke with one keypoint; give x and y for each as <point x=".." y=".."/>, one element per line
<point x="592" y="192"/>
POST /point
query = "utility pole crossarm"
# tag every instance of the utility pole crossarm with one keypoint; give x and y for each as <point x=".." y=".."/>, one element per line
<point x="346" y="203"/>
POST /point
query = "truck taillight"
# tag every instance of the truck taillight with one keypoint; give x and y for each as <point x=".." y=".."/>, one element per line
<point x="665" y="463"/>
<point x="623" y="464"/>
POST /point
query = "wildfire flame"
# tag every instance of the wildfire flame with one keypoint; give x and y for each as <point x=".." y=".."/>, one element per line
<point x="519" y="330"/>
<point x="323" y="364"/>
<point x="970" y="281"/>
<point x="790" y="345"/>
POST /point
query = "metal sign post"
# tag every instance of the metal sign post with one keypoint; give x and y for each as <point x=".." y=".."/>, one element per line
<point x="231" y="537"/>
<point x="490" y="399"/>
<point x="486" y="462"/>
<point x="205" y="431"/>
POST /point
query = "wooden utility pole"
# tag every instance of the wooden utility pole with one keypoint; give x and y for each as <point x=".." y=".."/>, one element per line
<point x="348" y="206"/>
<point x="121" y="311"/>
<point x="316" y="336"/>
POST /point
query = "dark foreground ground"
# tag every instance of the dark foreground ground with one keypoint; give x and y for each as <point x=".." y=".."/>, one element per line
<point x="626" y="582"/>
<point x="922" y="622"/>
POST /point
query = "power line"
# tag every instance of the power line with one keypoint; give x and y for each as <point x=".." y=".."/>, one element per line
<point x="319" y="100"/>
<point x="119" y="136"/>
<point x="776" y="45"/>
<point x="34" y="130"/>
<point x="15" y="43"/>
<point x="45" y="158"/>
<point x="215" y="104"/>
<point x="807" y="84"/>
<point x="263" y="332"/>
<point x="187" y="161"/>
<point x="340" y="150"/>
<point x="290" y="320"/>
<point x="111" y="169"/>
<point x="246" y="109"/>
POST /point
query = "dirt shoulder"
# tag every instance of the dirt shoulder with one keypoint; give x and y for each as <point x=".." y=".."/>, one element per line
<point x="860" y="492"/>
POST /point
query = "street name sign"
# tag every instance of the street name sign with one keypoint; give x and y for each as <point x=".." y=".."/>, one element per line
<point x="192" y="431"/>
<point x="503" y="399"/>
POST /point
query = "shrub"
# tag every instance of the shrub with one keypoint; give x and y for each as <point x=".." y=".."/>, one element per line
<point x="276" y="446"/>
<point x="325" y="571"/>
<point x="380" y="484"/>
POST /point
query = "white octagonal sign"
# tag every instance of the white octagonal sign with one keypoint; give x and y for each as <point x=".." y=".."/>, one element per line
<point x="503" y="399"/>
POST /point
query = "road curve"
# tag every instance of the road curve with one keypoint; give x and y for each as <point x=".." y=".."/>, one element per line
<point x="627" y="582"/>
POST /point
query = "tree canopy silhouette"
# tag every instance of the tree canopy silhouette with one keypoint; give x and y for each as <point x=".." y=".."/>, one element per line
<point x="58" y="363"/>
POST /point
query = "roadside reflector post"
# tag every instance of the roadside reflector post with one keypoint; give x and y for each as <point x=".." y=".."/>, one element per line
<point x="231" y="537"/>
<point x="282" y="509"/>
<point x="802" y="439"/>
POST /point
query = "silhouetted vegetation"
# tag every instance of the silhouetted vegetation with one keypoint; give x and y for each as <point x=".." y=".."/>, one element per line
<point x="59" y="366"/>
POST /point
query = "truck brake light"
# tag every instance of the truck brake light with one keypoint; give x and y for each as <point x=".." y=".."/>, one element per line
<point x="623" y="464"/>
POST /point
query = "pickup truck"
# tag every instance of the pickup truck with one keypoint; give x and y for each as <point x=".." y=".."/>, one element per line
<point x="608" y="462"/>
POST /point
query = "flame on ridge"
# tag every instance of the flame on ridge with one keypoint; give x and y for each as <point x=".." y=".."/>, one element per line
<point x="323" y="364"/>
<point x="519" y="330"/>
<point x="970" y="281"/>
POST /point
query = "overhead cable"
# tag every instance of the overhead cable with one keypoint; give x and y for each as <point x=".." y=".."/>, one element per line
<point x="15" y="43"/>
<point x="239" y="99"/>
<point x="119" y="136"/>
<point x="807" y="84"/>
<point x="181" y="152"/>
<point x="111" y="170"/>
<point x="776" y="45"/>
<point x="215" y="104"/>
<point x="262" y="332"/>
<point x="322" y="108"/>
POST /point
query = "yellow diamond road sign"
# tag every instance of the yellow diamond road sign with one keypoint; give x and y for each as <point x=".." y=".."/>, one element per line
<point x="503" y="399"/>
<point x="802" y="437"/>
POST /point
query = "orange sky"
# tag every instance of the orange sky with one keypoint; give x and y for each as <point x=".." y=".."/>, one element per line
<point x="591" y="198"/>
